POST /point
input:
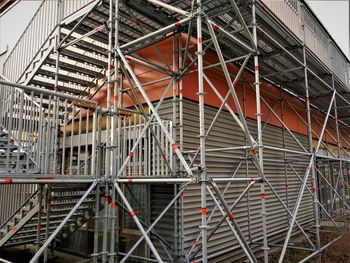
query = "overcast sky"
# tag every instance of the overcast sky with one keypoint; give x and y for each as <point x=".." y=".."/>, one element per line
<point x="333" y="14"/>
<point x="13" y="23"/>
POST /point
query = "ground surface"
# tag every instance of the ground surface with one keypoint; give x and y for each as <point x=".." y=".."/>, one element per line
<point x="338" y="252"/>
<point x="24" y="254"/>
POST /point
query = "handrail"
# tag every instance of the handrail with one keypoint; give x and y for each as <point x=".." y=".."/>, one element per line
<point x="34" y="127"/>
<point x="36" y="34"/>
<point x="84" y="162"/>
<point x="293" y="14"/>
<point x="25" y="94"/>
<point x="18" y="209"/>
<point x="50" y="93"/>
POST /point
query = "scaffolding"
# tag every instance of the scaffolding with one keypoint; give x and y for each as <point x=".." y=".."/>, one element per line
<point x="134" y="145"/>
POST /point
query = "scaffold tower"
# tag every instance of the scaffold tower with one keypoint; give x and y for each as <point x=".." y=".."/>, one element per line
<point x="175" y="131"/>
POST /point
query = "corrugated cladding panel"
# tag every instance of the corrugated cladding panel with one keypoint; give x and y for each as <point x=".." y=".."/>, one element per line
<point x="226" y="133"/>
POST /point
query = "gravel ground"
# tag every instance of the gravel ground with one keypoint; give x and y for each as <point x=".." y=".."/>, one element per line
<point x="24" y="254"/>
<point x="338" y="252"/>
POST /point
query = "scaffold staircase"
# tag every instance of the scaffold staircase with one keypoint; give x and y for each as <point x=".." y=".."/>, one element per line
<point x="82" y="67"/>
<point x="22" y="226"/>
<point x="53" y="203"/>
<point x="32" y="68"/>
<point x="13" y="159"/>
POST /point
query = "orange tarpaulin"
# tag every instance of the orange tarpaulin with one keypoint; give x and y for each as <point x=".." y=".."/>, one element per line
<point x="270" y="93"/>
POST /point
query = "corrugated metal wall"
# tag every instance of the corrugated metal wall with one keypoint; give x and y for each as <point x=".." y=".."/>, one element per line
<point x="219" y="164"/>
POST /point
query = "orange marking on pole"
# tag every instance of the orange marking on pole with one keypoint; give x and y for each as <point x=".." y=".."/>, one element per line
<point x="174" y="145"/>
<point x="129" y="180"/>
<point x="204" y="211"/>
<point x="131" y="154"/>
<point x="132" y="213"/>
<point x="8" y="181"/>
<point x="215" y="27"/>
<point x="263" y="196"/>
<point x="232" y="217"/>
<point x="178" y="24"/>
<point x="113" y="205"/>
<point x="254" y="151"/>
<point x="200" y="40"/>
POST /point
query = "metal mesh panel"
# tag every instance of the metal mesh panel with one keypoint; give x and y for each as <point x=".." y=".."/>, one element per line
<point x="287" y="12"/>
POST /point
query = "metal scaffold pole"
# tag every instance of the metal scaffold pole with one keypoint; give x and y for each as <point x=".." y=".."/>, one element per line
<point x="115" y="133"/>
<point x="202" y="136"/>
<point x="260" y="136"/>
<point x="310" y="138"/>
<point x="109" y="163"/>
<point x="341" y="168"/>
<point x="96" y="172"/>
<point x="175" y="67"/>
<point x="40" y="212"/>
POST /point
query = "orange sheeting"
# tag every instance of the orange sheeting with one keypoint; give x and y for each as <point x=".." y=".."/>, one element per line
<point x="190" y="88"/>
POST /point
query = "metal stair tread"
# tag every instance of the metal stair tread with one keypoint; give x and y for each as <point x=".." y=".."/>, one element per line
<point x="64" y="78"/>
<point x="62" y="88"/>
<point x="75" y="68"/>
<point x="12" y="153"/>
